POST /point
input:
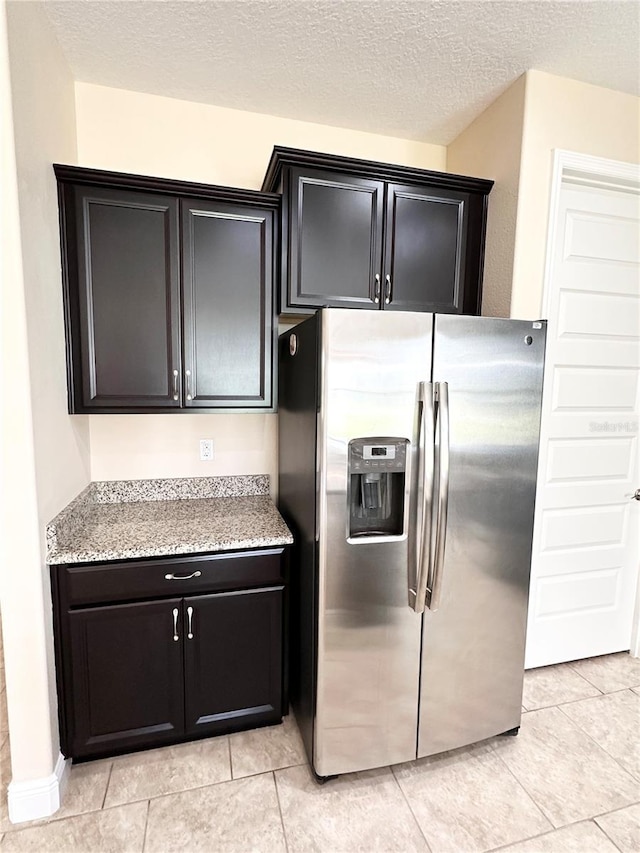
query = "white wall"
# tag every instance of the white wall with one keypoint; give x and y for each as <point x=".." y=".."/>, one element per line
<point x="561" y="113"/>
<point x="491" y="148"/>
<point x="146" y="134"/>
<point x="46" y="452"/>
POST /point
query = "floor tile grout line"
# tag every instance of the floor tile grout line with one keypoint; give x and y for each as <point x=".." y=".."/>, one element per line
<point x="632" y="776"/>
<point x="615" y="811"/>
<point x="602" y="829"/>
<point x="269" y="770"/>
<point x="413" y="814"/>
<point x="188" y="790"/>
<point x="583" y="699"/>
<point x="582" y="819"/>
<point x="284" y="831"/>
<point x="104" y="799"/>
<point x="571" y="666"/>
<point x="557" y="704"/>
<point x="230" y="758"/>
<point x="527" y="792"/>
<point x="43" y="823"/>
<point x="604" y="692"/>
<point x="601" y="696"/>
<point x="170" y="793"/>
<point x="567" y="664"/>
<point x="548" y="832"/>
<point x="146" y="826"/>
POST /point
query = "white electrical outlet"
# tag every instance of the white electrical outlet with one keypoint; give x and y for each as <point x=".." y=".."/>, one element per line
<point x="206" y="449"/>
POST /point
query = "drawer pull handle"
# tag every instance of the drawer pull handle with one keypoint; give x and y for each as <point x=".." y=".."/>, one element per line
<point x="175" y="625"/>
<point x="172" y="577"/>
<point x="189" y="623"/>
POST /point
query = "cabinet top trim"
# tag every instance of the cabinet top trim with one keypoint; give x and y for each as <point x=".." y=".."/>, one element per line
<point x="166" y="186"/>
<point x="282" y="157"/>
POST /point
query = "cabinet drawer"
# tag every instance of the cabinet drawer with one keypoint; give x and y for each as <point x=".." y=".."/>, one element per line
<point x="107" y="582"/>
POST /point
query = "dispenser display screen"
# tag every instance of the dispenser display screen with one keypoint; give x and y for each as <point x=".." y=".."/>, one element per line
<point x="384" y="451"/>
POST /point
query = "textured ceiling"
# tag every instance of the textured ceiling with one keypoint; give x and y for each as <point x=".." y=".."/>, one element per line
<point x="418" y="69"/>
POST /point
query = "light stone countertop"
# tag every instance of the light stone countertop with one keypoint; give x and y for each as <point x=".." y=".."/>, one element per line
<point x="152" y="518"/>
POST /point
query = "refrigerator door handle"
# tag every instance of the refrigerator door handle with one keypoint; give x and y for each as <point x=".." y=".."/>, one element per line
<point x="442" y="445"/>
<point x="420" y="552"/>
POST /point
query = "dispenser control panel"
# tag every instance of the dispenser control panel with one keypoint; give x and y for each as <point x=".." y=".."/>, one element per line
<point x="367" y="455"/>
<point x="376" y="487"/>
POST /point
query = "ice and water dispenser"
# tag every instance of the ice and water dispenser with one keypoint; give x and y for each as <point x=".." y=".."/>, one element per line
<point x="377" y="471"/>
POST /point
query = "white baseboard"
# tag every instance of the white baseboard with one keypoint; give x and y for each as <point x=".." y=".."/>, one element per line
<point x="38" y="798"/>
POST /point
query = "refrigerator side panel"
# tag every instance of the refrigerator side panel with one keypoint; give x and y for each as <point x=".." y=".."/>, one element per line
<point x="298" y="396"/>
<point x="473" y="644"/>
<point x="368" y="637"/>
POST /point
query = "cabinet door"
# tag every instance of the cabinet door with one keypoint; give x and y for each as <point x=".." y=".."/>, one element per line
<point x="126" y="677"/>
<point x="128" y="299"/>
<point x="228" y="305"/>
<point x="334" y="240"/>
<point x="425" y="239"/>
<point x="233" y="660"/>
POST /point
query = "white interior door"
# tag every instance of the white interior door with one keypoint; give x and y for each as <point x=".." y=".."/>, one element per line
<point x="586" y="533"/>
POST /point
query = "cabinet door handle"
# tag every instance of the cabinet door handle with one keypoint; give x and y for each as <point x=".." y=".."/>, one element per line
<point x="387" y="289"/>
<point x="175" y="625"/>
<point x="188" y="375"/>
<point x="172" y="577"/>
<point x="175" y="384"/>
<point x="376" y="288"/>
<point x="190" y="623"/>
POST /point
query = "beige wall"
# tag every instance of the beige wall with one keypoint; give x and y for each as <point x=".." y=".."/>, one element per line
<point x="566" y="114"/>
<point x="490" y="148"/>
<point x="128" y="447"/>
<point x="151" y="135"/>
<point x="48" y="451"/>
<point x="133" y="132"/>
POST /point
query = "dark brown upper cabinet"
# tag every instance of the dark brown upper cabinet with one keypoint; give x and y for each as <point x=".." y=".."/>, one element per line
<point x="168" y="294"/>
<point x="228" y="303"/>
<point x="360" y="234"/>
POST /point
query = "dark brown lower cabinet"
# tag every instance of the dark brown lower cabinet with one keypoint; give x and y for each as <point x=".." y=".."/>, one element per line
<point x="147" y="673"/>
<point x="126" y="677"/>
<point x="231" y="671"/>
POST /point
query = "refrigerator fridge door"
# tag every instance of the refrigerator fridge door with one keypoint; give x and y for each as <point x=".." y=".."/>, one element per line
<point x="474" y="633"/>
<point x="368" y="661"/>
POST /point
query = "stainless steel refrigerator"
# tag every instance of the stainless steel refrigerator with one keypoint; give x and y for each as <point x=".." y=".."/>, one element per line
<point x="408" y="447"/>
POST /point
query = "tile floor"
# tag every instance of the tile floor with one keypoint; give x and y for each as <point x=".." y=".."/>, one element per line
<point x="569" y="782"/>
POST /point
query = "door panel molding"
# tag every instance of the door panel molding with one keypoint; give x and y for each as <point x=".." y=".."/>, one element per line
<point x="599" y="172"/>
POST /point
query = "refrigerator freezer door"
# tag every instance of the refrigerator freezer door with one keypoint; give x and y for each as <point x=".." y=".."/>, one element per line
<point x="368" y="638"/>
<point x="473" y="643"/>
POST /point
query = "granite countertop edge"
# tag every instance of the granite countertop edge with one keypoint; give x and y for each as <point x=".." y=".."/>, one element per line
<point x="127" y="520"/>
<point x="181" y="549"/>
